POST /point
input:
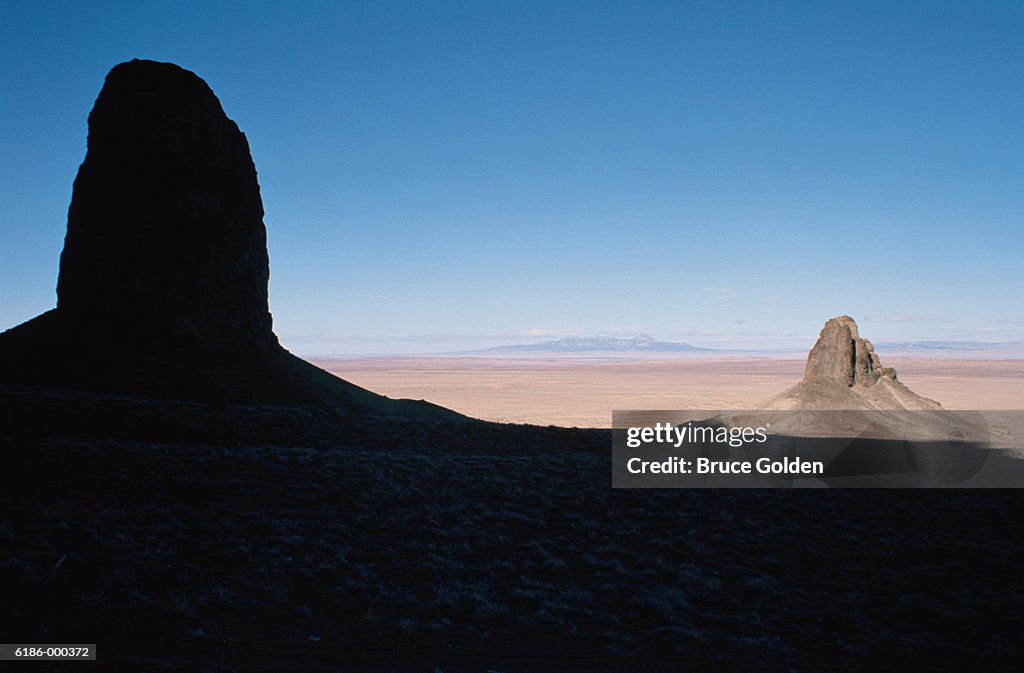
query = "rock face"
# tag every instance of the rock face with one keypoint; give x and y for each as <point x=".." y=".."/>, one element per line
<point x="165" y="234"/>
<point x="840" y="356"/>
<point x="163" y="278"/>
<point x="844" y="372"/>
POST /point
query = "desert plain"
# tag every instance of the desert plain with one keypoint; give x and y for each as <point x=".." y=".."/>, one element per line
<point x="583" y="391"/>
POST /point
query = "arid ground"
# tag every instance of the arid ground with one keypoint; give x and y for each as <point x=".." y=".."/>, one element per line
<point x="582" y="392"/>
<point x="191" y="537"/>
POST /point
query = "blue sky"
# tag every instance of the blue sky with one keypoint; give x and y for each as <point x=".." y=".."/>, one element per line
<point x="449" y="175"/>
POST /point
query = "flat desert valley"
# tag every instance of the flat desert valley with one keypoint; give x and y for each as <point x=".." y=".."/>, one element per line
<point x="582" y="392"/>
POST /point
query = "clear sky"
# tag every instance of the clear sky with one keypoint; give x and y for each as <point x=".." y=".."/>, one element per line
<point x="442" y="175"/>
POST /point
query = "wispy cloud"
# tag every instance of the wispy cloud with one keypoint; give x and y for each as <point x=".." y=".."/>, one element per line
<point x="721" y="293"/>
<point x="743" y="338"/>
<point x="693" y="332"/>
<point x="984" y="329"/>
<point x="439" y="337"/>
<point x="901" y="317"/>
<point x="550" y="333"/>
<point x="437" y="341"/>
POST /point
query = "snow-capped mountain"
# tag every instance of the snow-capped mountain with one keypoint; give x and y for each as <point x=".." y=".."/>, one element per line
<point x="642" y="343"/>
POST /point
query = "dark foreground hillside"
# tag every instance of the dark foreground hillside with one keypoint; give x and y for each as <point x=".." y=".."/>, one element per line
<point x="191" y="537"/>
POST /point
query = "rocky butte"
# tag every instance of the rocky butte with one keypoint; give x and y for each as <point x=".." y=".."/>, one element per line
<point x="163" y="278"/>
<point x="844" y="372"/>
<point x="854" y="415"/>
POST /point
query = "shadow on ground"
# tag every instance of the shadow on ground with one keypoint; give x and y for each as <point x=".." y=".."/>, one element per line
<point x="184" y="536"/>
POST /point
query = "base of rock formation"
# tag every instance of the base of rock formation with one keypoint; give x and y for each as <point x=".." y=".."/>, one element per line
<point x="51" y="351"/>
<point x="844" y="373"/>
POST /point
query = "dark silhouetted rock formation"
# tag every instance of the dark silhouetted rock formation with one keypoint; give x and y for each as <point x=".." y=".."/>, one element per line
<point x="163" y="278"/>
<point x="165" y="232"/>
<point x="844" y="372"/>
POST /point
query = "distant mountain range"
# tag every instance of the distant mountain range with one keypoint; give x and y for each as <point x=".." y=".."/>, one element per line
<point x="587" y="344"/>
<point x="949" y="345"/>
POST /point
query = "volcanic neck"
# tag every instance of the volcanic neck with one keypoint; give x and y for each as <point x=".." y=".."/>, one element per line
<point x="844" y="372"/>
<point x="163" y="279"/>
<point x="840" y="356"/>
<point x="165" y="235"/>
